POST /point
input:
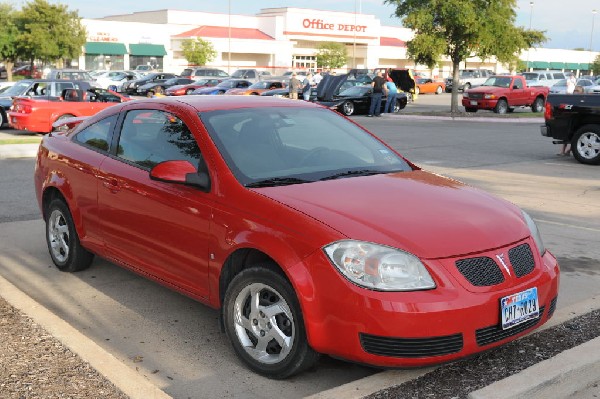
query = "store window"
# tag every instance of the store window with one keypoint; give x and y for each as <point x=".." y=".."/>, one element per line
<point x="104" y="62"/>
<point x="154" y="63"/>
<point x="308" y="62"/>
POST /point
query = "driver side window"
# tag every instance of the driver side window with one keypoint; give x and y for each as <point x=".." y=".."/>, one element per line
<point x="149" y="137"/>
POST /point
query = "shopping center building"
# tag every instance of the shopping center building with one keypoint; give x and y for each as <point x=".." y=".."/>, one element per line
<point x="275" y="39"/>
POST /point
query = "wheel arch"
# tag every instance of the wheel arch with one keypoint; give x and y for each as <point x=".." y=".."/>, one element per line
<point x="55" y="187"/>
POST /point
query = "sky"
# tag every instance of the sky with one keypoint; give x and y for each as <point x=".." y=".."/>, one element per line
<point x="568" y="24"/>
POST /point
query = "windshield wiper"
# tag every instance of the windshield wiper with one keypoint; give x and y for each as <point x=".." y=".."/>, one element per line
<point x="277" y="181"/>
<point x="348" y="173"/>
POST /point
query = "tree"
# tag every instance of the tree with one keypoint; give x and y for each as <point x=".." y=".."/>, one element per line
<point x="49" y="32"/>
<point x="8" y="37"/>
<point x="331" y="55"/>
<point x="595" y="66"/>
<point x="198" y="51"/>
<point x="463" y="28"/>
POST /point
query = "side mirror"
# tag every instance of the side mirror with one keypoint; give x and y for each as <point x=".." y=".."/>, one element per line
<point x="182" y="172"/>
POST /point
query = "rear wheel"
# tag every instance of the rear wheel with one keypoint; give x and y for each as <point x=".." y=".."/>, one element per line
<point x="63" y="242"/>
<point x="264" y="323"/>
<point x="417" y="90"/>
<point x="501" y="107"/>
<point x="538" y="105"/>
<point x="3" y="118"/>
<point x="348" y="108"/>
<point x="189" y="91"/>
<point x="585" y="145"/>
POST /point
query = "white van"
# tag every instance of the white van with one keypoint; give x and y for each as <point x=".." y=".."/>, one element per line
<point x="543" y="78"/>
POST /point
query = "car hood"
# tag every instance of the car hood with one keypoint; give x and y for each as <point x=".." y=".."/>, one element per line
<point x="486" y="89"/>
<point x="329" y="85"/>
<point x="403" y="79"/>
<point x="422" y="213"/>
<point x="208" y="90"/>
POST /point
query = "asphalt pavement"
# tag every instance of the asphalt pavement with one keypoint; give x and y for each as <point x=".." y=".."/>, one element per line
<point x="574" y="373"/>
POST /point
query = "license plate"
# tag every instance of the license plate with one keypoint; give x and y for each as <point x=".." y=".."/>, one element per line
<point x="520" y="307"/>
<point x="473" y="102"/>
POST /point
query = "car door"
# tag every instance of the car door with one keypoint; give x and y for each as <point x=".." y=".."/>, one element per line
<point x="518" y="95"/>
<point x="157" y="228"/>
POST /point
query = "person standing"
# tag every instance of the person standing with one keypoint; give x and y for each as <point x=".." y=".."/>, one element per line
<point x="571" y="83"/>
<point x="307" y="86"/>
<point x="378" y="88"/>
<point x="392" y="93"/>
<point x="295" y="85"/>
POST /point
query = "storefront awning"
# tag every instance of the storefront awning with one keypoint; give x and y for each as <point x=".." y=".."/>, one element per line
<point x="539" y="64"/>
<point x="149" y="50"/>
<point x="574" y="65"/>
<point x="557" y="65"/>
<point x="105" y="48"/>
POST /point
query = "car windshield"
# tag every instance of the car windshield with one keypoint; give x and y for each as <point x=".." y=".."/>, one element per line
<point x="498" y="81"/>
<point x="17" y="90"/>
<point x="288" y="145"/>
<point x="562" y="82"/>
<point x="355" y="91"/>
<point x="260" y="85"/>
<point x="531" y="76"/>
<point x="227" y="84"/>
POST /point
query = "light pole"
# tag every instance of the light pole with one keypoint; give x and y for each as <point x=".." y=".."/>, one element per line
<point x="592" y="38"/>
<point x="229" y="40"/>
<point x="530" y="17"/>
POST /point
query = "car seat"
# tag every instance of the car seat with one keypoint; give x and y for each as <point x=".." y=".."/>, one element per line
<point x="260" y="150"/>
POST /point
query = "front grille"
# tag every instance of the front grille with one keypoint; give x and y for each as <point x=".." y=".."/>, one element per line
<point x="481" y="272"/>
<point x="552" y="306"/>
<point x="489" y="335"/>
<point x="411" y="347"/>
<point x="476" y="96"/>
<point x="521" y="259"/>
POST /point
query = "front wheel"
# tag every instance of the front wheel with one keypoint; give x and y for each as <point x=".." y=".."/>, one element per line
<point x="348" y="108"/>
<point x="188" y="92"/>
<point x="585" y="145"/>
<point x="3" y="118"/>
<point x="63" y="242"/>
<point x="501" y="107"/>
<point x="417" y="90"/>
<point x="438" y="90"/>
<point x="538" y="105"/>
<point x="264" y="323"/>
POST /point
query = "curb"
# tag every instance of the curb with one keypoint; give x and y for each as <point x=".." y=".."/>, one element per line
<point x="537" y="121"/>
<point x="18" y="150"/>
<point x="127" y="380"/>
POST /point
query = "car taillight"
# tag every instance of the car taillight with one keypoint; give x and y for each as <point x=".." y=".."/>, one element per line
<point x="22" y="108"/>
<point x="548" y="111"/>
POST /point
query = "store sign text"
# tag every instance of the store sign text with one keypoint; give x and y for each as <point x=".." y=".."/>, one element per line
<point x="102" y="37"/>
<point x="321" y="25"/>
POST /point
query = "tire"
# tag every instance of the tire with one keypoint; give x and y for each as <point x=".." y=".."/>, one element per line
<point x="538" y="105"/>
<point x="399" y="106"/>
<point x="470" y="109"/>
<point x="409" y="97"/>
<point x="189" y="91"/>
<point x="62" y="128"/>
<point x="63" y="242"/>
<point x="585" y="145"/>
<point x="501" y="107"/>
<point x="256" y="319"/>
<point x="439" y="90"/>
<point x="417" y="90"/>
<point x="347" y="108"/>
<point x="3" y="118"/>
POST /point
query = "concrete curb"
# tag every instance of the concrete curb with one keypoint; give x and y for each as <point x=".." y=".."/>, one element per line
<point x="127" y="380"/>
<point x="537" y="121"/>
<point x="18" y="150"/>
<point x="558" y="377"/>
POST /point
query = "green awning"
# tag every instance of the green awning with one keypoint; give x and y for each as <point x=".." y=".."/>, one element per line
<point x="539" y="64"/>
<point x="584" y="66"/>
<point x="557" y="65"/>
<point x="151" y="50"/>
<point x="105" y="48"/>
<point x="574" y="65"/>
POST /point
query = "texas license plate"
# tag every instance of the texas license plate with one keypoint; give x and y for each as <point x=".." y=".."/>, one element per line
<point x="520" y="307"/>
<point x="473" y="102"/>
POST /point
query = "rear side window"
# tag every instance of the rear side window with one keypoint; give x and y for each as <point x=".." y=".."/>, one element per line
<point x="97" y="136"/>
<point x="559" y="76"/>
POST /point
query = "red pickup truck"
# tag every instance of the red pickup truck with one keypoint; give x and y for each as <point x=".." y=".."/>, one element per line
<point x="502" y="94"/>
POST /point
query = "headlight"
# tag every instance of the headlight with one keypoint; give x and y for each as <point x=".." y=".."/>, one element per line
<point x="379" y="267"/>
<point x="465" y="94"/>
<point x="489" y="96"/>
<point x="535" y="233"/>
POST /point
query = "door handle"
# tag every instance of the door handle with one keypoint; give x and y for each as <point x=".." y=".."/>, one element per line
<point x="112" y="185"/>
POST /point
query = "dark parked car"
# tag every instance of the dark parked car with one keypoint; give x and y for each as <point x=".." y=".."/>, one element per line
<point x="225" y="85"/>
<point x="38" y="88"/>
<point x="69" y="74"/>
<point x="159" y="77"/>
<point x="151" y="88"/>
<point x="357" y="100"/>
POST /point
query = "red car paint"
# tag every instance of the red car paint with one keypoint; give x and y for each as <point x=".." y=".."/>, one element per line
<point x="187" y="239"/>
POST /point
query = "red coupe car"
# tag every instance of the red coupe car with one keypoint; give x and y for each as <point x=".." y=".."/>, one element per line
<point x="181" y="90"/>
<point x="309" y="233"/>
<point x="38" y="114"/>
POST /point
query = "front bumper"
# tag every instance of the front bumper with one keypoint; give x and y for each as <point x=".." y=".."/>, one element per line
<point x="479" y="103"/>
<point x="410" y="329"/>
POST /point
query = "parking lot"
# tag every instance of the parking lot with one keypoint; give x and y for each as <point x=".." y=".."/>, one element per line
<point x="182" y="350"/>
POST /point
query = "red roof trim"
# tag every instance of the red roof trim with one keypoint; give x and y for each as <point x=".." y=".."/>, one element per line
<point x="223" y="32"/>
<point x="391" y="41"/>
<point x="288" y="33"/>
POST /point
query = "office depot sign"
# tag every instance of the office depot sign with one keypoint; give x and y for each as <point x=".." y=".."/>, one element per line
<point x="319" y="24"/>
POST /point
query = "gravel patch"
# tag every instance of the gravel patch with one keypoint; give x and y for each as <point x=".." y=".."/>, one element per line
<point x="456" y="380"/>
<point x="33" y="364"/>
